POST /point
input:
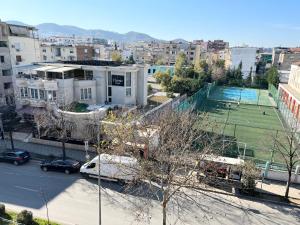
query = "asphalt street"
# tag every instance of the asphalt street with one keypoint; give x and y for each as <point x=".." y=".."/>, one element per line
<point x="72" y="199"/>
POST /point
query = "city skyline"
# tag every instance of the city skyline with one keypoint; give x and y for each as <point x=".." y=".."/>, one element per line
<point x="253" y="23"/>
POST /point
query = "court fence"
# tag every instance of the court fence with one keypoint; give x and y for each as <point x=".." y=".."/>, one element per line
<point x="274" y="93"/>
<point x="196" y="100"/>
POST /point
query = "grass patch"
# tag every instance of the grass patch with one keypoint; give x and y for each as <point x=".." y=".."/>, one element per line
<point x="12" y="216"/>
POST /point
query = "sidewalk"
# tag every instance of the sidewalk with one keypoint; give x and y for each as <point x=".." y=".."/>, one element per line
<point x="47" y="150"/>
<point x="278" y="188"/>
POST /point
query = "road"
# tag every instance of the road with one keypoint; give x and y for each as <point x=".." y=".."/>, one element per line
<point x="74" y="200"/>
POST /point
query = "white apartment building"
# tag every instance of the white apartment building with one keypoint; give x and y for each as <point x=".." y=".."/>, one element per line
<point x="93" y="83"/>
<point x="19" y="46"/>
<point x="52" y="53"/>
<point x="246" y="55"/>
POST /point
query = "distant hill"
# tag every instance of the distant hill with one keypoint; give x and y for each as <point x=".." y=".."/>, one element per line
<point x="52" y="29"/>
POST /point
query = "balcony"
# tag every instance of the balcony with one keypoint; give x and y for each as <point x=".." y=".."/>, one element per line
<point x="32" y="102"/>
<point x="37" y="83"/>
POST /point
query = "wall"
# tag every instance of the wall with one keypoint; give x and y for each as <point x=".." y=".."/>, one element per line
<point x="294" y="78"/>
<point x="247" y="56"/>
<point x="65" y="93"/>
<point x="78" y="84"/>
<point x="29" y="50"/>
<point x="282" y="176"/>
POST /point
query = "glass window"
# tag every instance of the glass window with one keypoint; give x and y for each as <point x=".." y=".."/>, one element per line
<point x="81" y="94"/>
<point x="90" y="93"/>
<point x="34" y="93"/>
<point x="6" y="72"/>
<point x="42" y="94"/>
<point x="2" y="59"/>
<point x="85" y="93"/>
<point x="109" y="91"/>
<point x="128" y="92"/>
<point x="109" y="78"/>
<point x="128" y="79"/>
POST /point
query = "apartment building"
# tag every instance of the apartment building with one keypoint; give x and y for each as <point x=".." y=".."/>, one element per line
<point x="19" y="46"/>
<point x="217" y="45"/>
<point x="244" y="55"/>
<point x="91" y="82"/>
<point x="6" y="89"/>
<point x="51" y="53"/>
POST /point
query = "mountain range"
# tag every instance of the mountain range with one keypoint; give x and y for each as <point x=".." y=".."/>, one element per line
<point x="52" y="29"/>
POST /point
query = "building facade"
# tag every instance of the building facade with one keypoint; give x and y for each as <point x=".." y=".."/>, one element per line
<point x="289" y="95"/>
<point x="244" y="55"/>
<point x="92" y="82"/>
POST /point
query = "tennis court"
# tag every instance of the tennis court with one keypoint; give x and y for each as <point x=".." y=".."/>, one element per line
<point x="242" y="95"/>
<point x="253" y="126"/>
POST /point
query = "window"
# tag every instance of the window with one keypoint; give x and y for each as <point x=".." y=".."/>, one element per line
<point x="109" y="78"/>
<point x="44" y="57"/>
<point x="149" y="71"/>
<point x="42" y="94"/>
<point x="6" y="73"/>
<point x="128" y="79"/>
<point x="2" y="59"/>
<point x="71" y="51"/>
<point x="128" y="92"/>
<point x="89" y="74"/>
<point x="154" y="71"/>
<point x="51" y="95"/>
<point x="34" y="93"/>
<point x="92" y="165"/>
<point x="109" y="91"/>
<point x="85" y="93"/>
<point x="85" y="51"/>
<point x="18" y="58"/>
<point x="7" y="85"/>
<point x="24" y="92"/>
<point x="44" y="50"/>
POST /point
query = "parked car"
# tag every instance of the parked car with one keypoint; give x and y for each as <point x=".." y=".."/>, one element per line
<point x="66" y="166"/>
<point x="15" y="157"/>
<point x="112" y="167"/>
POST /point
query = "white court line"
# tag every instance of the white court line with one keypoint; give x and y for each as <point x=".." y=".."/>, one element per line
<point x="27" y="189"/>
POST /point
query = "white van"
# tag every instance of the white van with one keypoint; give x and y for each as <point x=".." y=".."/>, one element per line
<point x="113" y="167"/>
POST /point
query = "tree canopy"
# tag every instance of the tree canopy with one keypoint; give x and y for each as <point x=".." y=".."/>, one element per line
<point x="273" y="76"/>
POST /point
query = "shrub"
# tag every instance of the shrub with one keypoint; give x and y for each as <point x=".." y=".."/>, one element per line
<point x="25" y="217"/>
<point x="2" y="210"/>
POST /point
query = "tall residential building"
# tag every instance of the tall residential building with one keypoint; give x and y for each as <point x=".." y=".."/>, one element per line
<point x="19" y="46"/>
<point x="6" y="88"/>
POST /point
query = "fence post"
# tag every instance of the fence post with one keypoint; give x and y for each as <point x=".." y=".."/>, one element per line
<point x="234" y="130"/>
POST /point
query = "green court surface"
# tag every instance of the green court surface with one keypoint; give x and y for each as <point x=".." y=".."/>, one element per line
<point x="242" y="95"/>
<point x="253" y="126"/>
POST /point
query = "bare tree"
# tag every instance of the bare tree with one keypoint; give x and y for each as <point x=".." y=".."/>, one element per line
<point x="289" y="149"/>
<point x="172" y="143"/>
<point x="56" y="123"/>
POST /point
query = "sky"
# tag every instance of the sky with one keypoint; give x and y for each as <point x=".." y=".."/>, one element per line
<point x="257" y="23"/>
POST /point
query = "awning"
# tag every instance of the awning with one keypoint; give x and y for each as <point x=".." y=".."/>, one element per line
<point x="17" y="30"/>
<point x="44" y="68"/>
<point x="62" y="69"/>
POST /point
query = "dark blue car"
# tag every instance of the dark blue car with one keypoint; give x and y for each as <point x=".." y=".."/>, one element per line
<point x="15" y="157"/>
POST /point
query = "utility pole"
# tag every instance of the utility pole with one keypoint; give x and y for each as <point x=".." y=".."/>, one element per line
<point x="99" y="171"/>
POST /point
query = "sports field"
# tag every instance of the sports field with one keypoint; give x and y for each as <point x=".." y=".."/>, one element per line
<point x="242" y="95"/>
<point x="248" y="116"/>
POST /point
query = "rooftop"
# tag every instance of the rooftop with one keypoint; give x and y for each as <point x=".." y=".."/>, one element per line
<point x="93" y="63"/>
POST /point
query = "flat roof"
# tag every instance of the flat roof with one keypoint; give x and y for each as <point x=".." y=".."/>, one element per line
<point x="44" y="68"/>
<point x="61" y="69"/>
<point x="93" y="63"/>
